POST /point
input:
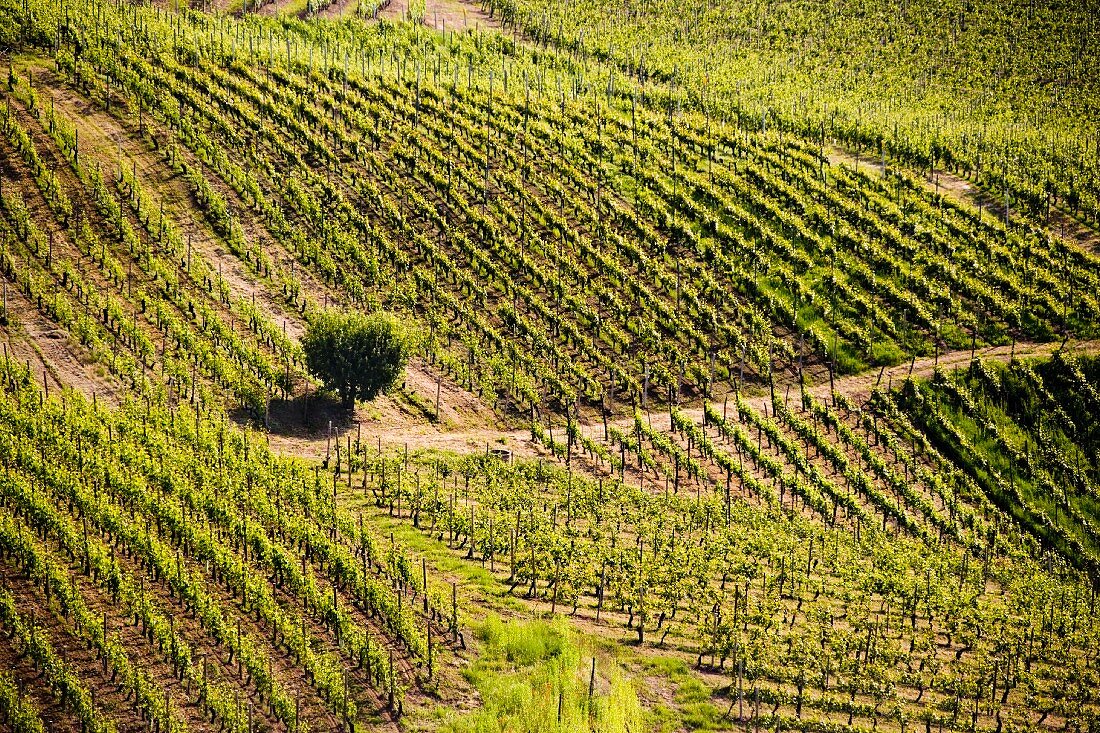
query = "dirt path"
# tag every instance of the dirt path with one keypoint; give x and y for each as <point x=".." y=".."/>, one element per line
<point x="301" y="426"/>
<point x="55" y="359"/>
<point x="394" y="429"/>
<point x="441" y="15"/>
<point x="444" y="15"/>
<point x="106" y="140"/>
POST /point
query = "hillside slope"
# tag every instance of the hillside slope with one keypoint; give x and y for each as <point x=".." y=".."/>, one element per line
<point x="708" y="427"/>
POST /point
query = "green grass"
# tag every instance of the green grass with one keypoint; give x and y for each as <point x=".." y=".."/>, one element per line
<point x="692" y="697"/>
<point x="886" y="353"/>
<point x="473" y="580"/>
<point x="534" y="676"/>
<point x="523" y="665"/>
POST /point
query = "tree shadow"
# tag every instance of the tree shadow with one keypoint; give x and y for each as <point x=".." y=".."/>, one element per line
<point x="304" y="416"/>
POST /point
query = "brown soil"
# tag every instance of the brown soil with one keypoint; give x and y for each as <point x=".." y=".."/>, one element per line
<point x="301" y="426"/>
<point x="55" y="361"/>
<point x="56" y="717"/>
<point x="394" y="425"/>
<point x="110" y="696"/>
<point x="444" y="15"/>
<point x="339" y="9"/>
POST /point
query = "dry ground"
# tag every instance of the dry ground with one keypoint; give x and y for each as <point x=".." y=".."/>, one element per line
<point x="395" y="426"/>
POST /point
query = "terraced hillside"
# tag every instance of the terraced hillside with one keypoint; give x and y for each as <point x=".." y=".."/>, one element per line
<point x="710" y="424"/>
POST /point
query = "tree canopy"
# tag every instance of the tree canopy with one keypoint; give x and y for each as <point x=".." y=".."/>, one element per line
<point x="357" y="356"/>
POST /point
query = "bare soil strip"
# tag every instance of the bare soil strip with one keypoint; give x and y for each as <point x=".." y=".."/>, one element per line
<point x="55" y="361"/>
<point x="445" y="15"/>
<point x="425" y="436"/>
